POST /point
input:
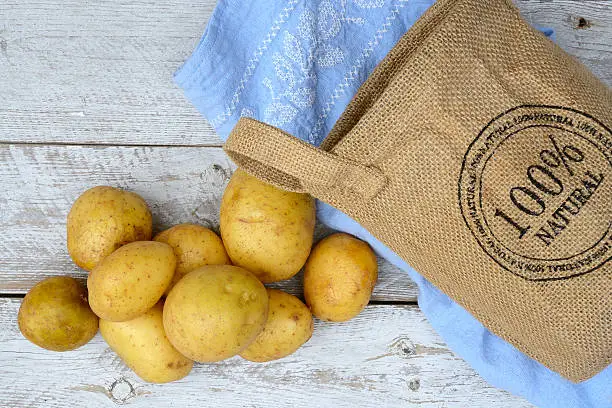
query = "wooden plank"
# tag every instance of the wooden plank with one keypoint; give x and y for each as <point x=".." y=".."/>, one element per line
<point x="101" y="72"/>
<point x="388" y="356"/>
<point x="180" y="184"/>
<point x="582" y="29"/>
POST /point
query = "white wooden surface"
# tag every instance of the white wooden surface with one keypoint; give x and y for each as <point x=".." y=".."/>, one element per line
<point x="86" y="98"/>
<point x="386" y="357"/>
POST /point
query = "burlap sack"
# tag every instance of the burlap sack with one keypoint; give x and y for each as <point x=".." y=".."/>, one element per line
<point x="481" y="153"/>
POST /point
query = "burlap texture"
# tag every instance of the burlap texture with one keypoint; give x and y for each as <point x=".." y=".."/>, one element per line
<point x="481" y="153"/>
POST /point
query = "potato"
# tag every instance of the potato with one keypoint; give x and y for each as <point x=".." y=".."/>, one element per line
<point x="339" y="277"/>
<point x="131" y="280"/>
<point x="266" y="230"/>
<point x="101" y="220"/>
<point x="289" y="325"/>
<point x="194" y="246"/>
<point x="55" y="315"/>
<point x="215" y="312"/>
<point x="142" y="344"/>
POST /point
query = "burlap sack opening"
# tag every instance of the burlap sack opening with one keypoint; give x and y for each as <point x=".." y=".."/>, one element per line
<point x="481" y="153"/>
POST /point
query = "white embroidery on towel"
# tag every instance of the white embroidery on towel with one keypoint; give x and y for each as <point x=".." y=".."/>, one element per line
<point x="253" y="62"/>
<point x="247" y="112"/>
<point x="310" y="46"/>
<point x="369" y="4"/>
<point x="351" y="75"/>
<point x="294" y="64"/>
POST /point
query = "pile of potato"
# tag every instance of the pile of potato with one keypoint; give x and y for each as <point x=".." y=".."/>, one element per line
<point x="188" y="295"/>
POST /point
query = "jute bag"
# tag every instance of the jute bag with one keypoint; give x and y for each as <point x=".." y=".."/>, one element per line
<point x="481" y="153"/>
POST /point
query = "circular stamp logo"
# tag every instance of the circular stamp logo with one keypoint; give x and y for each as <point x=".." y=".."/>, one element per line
<point x="535" y="190"/>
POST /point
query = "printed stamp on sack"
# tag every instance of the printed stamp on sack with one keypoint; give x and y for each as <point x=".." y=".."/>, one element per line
<point x="535" y="190"/>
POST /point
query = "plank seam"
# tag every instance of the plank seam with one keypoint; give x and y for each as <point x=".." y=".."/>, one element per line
<point x="372" y="303"/>
<point x="87" y="144"/>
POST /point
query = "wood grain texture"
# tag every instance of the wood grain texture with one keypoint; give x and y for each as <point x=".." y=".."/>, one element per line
<point x="582" y="29"/>
<point x="180" y="184"/>
<point x="388" y="356"/>
<point x="101" y="72"/>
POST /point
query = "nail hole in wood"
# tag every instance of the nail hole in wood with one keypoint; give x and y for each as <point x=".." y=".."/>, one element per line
<point x="121" y="390"/>
<point x="583" y="23"/>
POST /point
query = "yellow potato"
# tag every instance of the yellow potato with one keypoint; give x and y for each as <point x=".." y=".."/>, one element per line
<point x="194" y="246"/>
<point x="266" y="230"/>
<point x="131" y="280"/>
<point x="214" y="312"/>
<point x="142" y="344"/>
<point x="55" y="315"/>
<point x="339" y="277"/>
<point x="101" y="220"/>
<point x="289" y="325"/>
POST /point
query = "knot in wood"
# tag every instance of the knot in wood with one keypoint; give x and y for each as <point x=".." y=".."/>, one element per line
<point x="414" y="384"/>
<point x="403" y="347"/>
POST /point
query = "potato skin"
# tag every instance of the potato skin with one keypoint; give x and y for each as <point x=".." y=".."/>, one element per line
<point x="215" y="312"/>
<point x="339" y="277"/>
<point x="266" y="230"/>
<point x="101" y="220"/>
<point x="142" y="344"/>
<point x="131" y="280"/>
<point x="55" y="315"/>
<point x="288" y="327"/>
<point x="194" y="246"/>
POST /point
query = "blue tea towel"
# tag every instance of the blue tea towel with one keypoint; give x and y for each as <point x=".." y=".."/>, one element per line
<point x="296" y="65"/>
